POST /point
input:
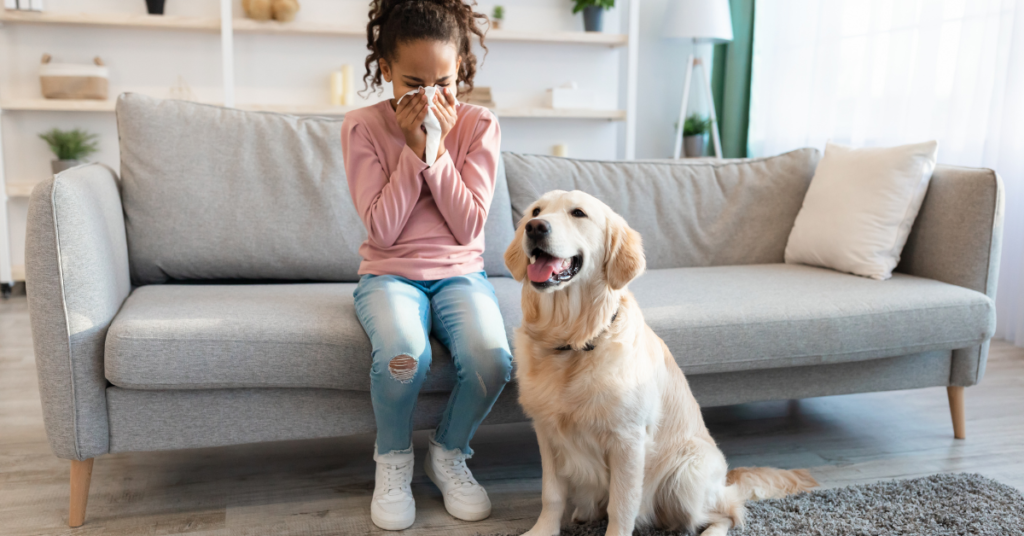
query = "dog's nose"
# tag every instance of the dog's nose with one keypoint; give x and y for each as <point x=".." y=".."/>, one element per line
<point x="537" y="228"/>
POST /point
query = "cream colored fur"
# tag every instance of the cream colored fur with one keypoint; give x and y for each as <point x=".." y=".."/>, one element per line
<point x="620" y="433"/>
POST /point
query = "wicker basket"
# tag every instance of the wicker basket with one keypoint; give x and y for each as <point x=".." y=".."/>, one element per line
<point x="73" y="81"/>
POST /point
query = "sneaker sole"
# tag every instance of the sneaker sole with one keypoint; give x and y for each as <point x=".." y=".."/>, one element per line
<point x="454" y="511"/>
<point x="392" y="524"/>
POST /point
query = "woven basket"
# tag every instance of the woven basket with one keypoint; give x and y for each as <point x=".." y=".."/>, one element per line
<point x="73" y="81"/>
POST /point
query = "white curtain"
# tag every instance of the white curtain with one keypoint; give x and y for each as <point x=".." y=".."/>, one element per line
<point x="889" y="72"/>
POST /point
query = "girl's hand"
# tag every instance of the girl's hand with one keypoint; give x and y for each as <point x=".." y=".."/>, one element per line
<point x="410" y="114"/>
<point x="447" y="115"/>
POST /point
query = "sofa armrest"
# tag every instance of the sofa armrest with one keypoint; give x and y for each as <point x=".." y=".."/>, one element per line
<point x="957" y="239"/>
<point x="957" y="236"/>
<point x="76" y="259"/>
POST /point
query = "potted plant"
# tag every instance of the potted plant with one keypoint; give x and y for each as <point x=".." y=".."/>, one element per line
<point x="694" y="129"/>
<point x="592" y="12"/>
<point x="155" y="7"/>
<point x="70" y="147"/>
<point x="497" y="17"/>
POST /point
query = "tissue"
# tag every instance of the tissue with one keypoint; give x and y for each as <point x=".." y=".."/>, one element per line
<point x="430" y="123"/>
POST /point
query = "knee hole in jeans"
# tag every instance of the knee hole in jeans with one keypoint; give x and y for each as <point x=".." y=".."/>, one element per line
<point x="403" y="368"/>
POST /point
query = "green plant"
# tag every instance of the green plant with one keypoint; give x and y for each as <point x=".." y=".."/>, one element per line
<point x="578" y="5"/>
<point x="499" y="13"/>
<point x="696" y="125"/>
<point x="71" y="144"/>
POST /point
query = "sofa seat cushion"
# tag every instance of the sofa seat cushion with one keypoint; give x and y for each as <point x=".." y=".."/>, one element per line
<point x="729" y="318"/>
<point x="208" y="336"/>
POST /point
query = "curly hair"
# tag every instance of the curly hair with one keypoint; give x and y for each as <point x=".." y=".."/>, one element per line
<point x="393" y="22"/>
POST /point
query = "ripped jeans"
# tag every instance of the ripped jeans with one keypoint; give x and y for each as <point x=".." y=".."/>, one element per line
<point x="399" y="315"/>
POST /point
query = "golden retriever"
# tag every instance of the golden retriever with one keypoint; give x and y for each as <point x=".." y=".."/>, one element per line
<point x="620" y="433"/>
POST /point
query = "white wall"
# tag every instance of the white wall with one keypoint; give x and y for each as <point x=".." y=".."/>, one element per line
<point x="292" y="69"/>
<point x="661" y="72"/>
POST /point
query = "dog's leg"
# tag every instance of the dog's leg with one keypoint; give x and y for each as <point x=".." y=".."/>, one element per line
<point x="626" y="482"/>
<point x="589" y="501"/>
<point x="553" y="493"/>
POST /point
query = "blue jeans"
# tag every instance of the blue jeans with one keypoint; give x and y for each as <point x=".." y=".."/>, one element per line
<point x="399" y="315"/>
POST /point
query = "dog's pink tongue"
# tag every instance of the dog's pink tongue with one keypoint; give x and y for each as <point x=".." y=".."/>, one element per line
<point x="544" y="268"/>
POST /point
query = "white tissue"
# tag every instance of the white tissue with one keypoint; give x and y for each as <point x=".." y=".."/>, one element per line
<point x="430" y="122"/>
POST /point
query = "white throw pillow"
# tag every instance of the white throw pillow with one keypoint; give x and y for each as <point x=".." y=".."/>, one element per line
<point x="860" y="207"/>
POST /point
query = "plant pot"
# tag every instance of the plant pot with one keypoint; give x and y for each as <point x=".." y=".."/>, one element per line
<point x="155" y="7"/>
<point x="693" y="146"/>
<point x="593" y="18"/>
<point x="60" y="165"/>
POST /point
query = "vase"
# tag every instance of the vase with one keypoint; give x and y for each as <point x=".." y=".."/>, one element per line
<point x="60" y="165"/>
<point x="593" y="18"/>
<point x="155" y="7"/>
<point x="693" y="146"/>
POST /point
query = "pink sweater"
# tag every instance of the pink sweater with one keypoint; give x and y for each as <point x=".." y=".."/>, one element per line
<point x="423" y="223"/>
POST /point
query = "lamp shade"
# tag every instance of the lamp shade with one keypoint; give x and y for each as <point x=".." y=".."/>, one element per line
<point x="706" y="21"/>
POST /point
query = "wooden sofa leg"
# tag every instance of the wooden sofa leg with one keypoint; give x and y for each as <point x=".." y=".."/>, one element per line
<point x="81" y="475"/>
<point x="956" y="409"/>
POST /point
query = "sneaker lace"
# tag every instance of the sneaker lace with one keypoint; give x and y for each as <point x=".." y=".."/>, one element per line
<point x="459" y="475"/>
<point x="395" y="482"/>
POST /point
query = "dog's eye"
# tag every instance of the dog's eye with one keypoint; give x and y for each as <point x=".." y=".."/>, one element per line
<point x="577" y="213"/>
<point x="536" y="212"/>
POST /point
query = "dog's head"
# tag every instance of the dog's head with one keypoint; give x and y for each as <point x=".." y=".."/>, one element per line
<point x="565" y="237"/>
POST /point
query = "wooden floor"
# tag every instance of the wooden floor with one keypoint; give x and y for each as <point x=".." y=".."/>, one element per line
<point x="324" y="487"/>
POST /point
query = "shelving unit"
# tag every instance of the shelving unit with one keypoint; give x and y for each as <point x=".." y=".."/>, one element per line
<point x="227" y="25"/>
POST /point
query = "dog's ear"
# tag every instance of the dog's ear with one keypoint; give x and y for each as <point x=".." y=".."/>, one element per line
<point x="624" y="257"/>
<point x="515" y="257"/>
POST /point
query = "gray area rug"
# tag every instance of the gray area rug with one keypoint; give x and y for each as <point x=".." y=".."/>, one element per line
<point x="938" y="505"/>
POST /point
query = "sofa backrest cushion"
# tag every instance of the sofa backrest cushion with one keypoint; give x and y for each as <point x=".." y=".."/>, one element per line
<point x="690" y="213"/>
<point x="219" y="193"/>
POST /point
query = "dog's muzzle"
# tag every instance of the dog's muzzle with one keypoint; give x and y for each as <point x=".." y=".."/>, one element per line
<point x="547" y="270"/>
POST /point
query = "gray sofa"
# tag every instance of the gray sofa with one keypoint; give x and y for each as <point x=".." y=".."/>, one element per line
<point x="204" y="296"/>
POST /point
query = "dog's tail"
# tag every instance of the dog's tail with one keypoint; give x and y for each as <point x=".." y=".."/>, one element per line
<point x="756" y="483"/>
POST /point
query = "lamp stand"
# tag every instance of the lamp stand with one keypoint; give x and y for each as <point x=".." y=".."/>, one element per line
<point x="694" y="63"/>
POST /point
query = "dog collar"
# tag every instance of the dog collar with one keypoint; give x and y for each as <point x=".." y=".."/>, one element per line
<point x="588" y="347"/>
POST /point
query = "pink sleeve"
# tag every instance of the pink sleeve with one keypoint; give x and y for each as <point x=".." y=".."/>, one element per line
<point x="464" y="196"/>
<point x="384" y="203"/>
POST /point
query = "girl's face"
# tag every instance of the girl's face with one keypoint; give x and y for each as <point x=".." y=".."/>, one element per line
<point x="424" y="63"/>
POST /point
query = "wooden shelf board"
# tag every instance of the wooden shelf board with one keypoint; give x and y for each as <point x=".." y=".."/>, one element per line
<point x="242" y="25"/>
<point x="581" y="38"/>
<point x="300" y="28"/>
<point x="560" y="113"/>
<point x="57" y="105"/>
<point x="124" y="20"/>
<point x="19" y="188"/>
<point x="293" y="109"/>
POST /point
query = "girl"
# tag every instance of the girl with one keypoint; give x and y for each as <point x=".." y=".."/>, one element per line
<point x="422" y="269"/>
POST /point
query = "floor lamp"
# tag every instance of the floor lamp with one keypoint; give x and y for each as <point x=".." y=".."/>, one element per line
<point x="701" y="21"/>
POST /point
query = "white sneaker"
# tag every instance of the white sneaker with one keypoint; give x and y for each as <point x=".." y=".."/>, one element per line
<point x="464" y="498"/>
<point x="393" y="507"/>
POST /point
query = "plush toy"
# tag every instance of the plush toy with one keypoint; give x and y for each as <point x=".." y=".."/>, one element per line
<point x="282" y="10"/>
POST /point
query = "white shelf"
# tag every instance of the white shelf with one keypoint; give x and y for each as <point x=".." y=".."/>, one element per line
<point x="560" y="113"/>
<point x="167" y="22"/>
<point x="20" y="188"/>
<point x="59" y="105"/>
<point x="111" y="20"/>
